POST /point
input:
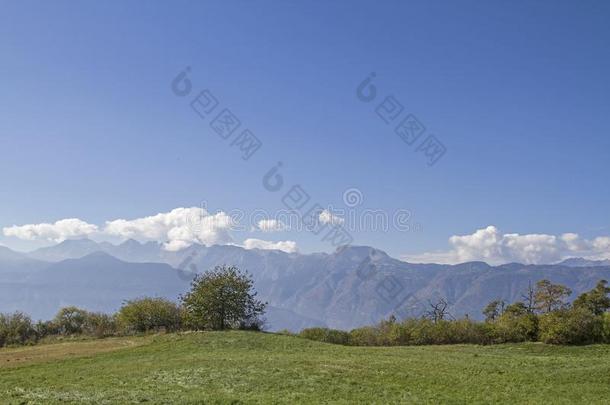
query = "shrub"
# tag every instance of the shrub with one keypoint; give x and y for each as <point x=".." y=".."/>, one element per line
<point x="424" y="331"/>
<point x="365" y="336"/>
<point x="77" y="321"/>
<point x="100" y="325"/>
<point x="16" y="329"/>
<point x="391" y="333"/>
<point x="606" y="327"/>
<point x="326" y="335"/>
<point x="571" y="327"/>
<point x="428" y="332"/>
<point x="468" y="331"/>
<point x="70" y="320"/>
<point x="421" y="331"/>
<point x="149" y="314"/>
<point x="45" y="328"/>
<point x="515" y="327"/>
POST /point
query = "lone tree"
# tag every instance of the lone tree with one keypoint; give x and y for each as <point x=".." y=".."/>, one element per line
<point x="223" y="298"/>
<point x="550" y="297"/>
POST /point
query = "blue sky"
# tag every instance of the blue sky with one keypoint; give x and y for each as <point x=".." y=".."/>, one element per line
<point x="517" y="92"/>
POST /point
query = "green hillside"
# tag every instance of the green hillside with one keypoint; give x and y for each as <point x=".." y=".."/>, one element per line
<point x="235" y="367"/>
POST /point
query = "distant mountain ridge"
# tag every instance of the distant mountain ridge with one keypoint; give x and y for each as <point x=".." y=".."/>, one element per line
<point x="580" y="262"/>
<point x="354" y="286"/>
<point x="130" y="250"/>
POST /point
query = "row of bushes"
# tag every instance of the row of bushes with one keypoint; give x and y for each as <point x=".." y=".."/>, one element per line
<point x="544" y="315"/>
<point x="571" y="326"/>
<point x="222" y="299"/>
<point x="136" y="316"/>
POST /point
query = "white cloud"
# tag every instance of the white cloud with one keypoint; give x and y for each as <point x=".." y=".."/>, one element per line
<point x="287" y="246"/>
<point x="57" y="232"/>
<point x="327" y="217"/>
<point x="271" y="225"/>
<point x="176" y="245"/>
<point x="602" y="243"/>
<point x="179" y="228"/>
<point x="492" y="246"/>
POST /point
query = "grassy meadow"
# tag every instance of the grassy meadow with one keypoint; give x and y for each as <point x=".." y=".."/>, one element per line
<point x="248" y="367"/>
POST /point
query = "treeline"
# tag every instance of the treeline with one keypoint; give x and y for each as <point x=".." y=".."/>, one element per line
<point x="219" y="299"/>
<point x="544" y="315"/>
<point x="137" y="316"/>
<point x="223" y="298"/>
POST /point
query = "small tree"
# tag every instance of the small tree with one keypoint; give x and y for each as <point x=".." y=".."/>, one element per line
<point x="550" y="297"/>
<point x="438" y="310"/>
<point x="596" y="300"/>
<point x="529" y="298"/>
<point x="70" y="320"/>
<point x="223" y="298"/>
<point x="493" y="310"/>
<point x="16" y="328"/>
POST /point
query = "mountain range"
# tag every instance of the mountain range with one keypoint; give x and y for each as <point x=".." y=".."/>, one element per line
<point x="351" y="287"/>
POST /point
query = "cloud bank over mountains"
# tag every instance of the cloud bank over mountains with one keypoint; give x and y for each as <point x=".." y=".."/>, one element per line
<point x="494" y="247"/>
<point x="56" y="232"/>
<point x="177" y="229"/>
<point x="183" y="227"/>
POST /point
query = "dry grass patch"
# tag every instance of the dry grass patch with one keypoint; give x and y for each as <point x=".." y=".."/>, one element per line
<point x="19" y="356"/>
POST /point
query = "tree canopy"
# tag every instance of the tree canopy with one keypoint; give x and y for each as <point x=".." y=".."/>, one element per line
<point x="223" y="298"/>
<point x="596" y="300"/>
<point x="550" y="297"/>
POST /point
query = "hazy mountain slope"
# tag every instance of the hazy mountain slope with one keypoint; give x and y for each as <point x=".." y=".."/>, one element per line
<point x="580" y="262"/>
<point x="16" y="266"/>
<point x="351" y="287"/>
<point x="7" y="254"/>
<point x="510" y="283"/>
<point x="129" y="251"/>
<point x="361" y="285"/>
<point x="68" y="249"/>
<point x="98" y="282"/>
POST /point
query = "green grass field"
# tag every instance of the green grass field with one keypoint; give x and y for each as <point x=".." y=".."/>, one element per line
<point x="244" y="367"/>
